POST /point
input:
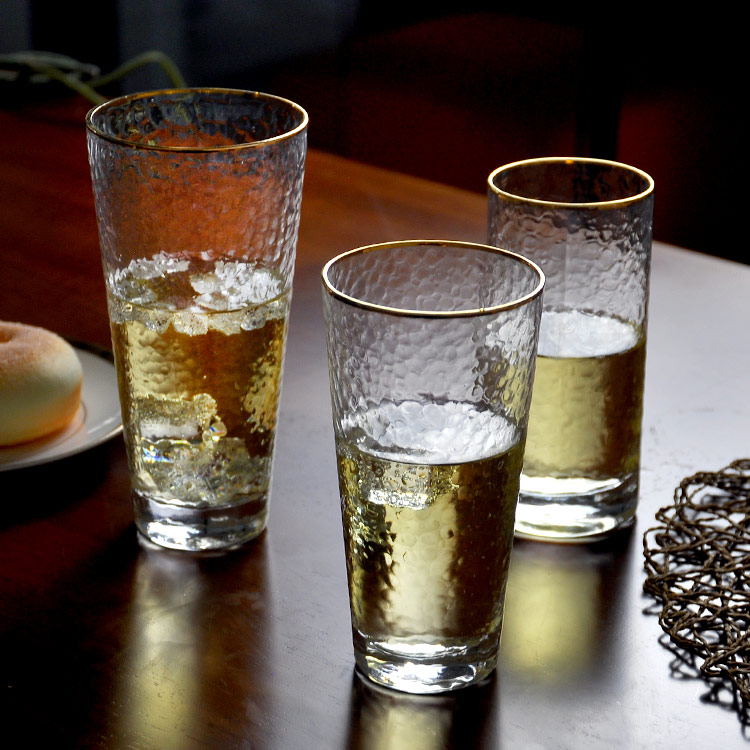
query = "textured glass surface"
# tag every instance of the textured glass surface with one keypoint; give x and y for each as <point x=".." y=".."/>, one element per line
<point x="377" y="355"/>
<point x="197" y="119"/>
<point x="197" y="197"/>
<point x="213" y="201"/>
<point x="431" y="351"/>
<point x="587" y="223"/>
<point x="595" y="257"/>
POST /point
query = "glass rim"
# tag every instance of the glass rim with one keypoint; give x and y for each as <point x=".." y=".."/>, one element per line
<point x="331" y="289"/>
<point x="129" y="98"/>
<point x="616" y="203"/>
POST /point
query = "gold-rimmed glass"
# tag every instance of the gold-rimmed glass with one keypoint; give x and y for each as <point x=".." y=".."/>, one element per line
<point x="431" y="351"/>
<point x="197" y="195"/>
<point x="588" y="224"/>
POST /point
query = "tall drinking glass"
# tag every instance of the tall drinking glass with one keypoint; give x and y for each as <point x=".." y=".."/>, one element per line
<point x="197" y="195"/>
<point x="431" y="351"/>
<point x="587" y="223"/>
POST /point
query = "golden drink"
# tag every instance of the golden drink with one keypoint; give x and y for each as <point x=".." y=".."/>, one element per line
<point x="428" y="528"/>
<point x="584" y="430"/>
<point x="198" y="348"/>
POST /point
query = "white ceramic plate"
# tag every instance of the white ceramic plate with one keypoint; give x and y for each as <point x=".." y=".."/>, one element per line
<point x="98" y="418"/>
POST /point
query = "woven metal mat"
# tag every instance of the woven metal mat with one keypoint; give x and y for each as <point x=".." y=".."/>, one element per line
<point x="698" y="569"/>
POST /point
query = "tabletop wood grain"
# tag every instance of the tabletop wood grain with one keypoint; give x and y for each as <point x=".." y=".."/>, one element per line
<point x="109" y="642"/>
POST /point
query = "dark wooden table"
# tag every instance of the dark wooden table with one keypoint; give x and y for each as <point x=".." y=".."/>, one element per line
<point x="106" y="642"/>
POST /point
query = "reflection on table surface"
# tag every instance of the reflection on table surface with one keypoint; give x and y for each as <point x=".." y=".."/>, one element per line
<point x="192" y="623"/>
<point x="562" y="610"/>
<point x="382" y="718"/>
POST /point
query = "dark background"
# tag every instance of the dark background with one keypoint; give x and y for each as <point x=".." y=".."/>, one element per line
<point x="449" y="92"/>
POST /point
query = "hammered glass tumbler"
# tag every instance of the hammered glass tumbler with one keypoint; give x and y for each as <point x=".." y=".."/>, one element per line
<point x="197" y="195"/>
<point x="587" y="223"/>
<point x="431" y="351"/>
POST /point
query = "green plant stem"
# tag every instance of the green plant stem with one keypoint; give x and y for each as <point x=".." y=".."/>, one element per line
<point x="70" y="81"/>
<point x="145" y="58"/>
<point x="88" y="90"/>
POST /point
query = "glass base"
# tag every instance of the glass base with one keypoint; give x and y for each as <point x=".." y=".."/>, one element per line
<point x="425" y="670"/>
<point x="571" y="510"/>
<point x="199" y="529"/>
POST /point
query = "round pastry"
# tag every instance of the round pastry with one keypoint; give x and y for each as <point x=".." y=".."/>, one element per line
<point x="40" y="383"/>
